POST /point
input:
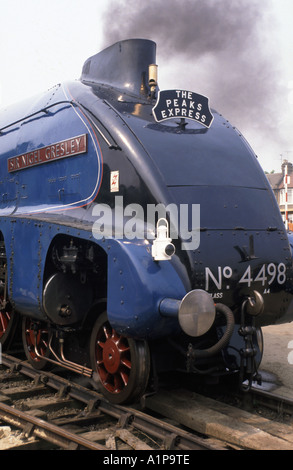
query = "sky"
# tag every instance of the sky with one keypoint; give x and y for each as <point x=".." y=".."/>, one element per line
<point x="236" y="52"/>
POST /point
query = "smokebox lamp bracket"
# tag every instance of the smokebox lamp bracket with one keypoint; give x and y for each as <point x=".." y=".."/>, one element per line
<point x="254" y="304"/>
<point x="163" y="248"/>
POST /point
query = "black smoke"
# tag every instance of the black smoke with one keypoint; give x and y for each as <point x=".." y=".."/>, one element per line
<point x="224" y="49"/>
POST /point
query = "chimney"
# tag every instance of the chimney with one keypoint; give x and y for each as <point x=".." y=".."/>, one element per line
<point x="289" y="167"/>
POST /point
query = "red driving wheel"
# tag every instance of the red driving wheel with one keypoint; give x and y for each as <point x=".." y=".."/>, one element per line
<point x="8" y="325"/>
<point x="5" y="318"/>
<point x="36" y="333"/>
<point x="113" y="359"/>
<point x="122" y="364"/>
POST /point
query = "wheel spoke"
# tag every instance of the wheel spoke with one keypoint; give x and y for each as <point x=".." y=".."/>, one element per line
<point x="4" y="319"/>
<point x="115" y="337"/>
<point x="107" y="332"/>
<point x="2" y="324"/>
<point x="42" y="346"/>
<point x="123" y="347"/>
<point x="103" y="374"/>
<point x="36" y="337"/>
<point x="126" y="362"/>
<point x="125" y="377"/>
<point x="118" y="385"/>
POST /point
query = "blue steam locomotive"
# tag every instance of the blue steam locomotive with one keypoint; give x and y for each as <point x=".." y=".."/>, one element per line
<point x="138" y="233"/>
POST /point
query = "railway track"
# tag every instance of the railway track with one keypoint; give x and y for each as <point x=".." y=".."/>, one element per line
<point x="51" y="412"/>
<point x="66" y="415"/>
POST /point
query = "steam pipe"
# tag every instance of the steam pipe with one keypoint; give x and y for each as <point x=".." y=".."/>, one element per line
<point x="77" y="368"/>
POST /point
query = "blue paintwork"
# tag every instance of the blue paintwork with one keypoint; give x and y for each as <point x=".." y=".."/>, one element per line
<point x="58" y="187"/>
<point x="135" y="286"/>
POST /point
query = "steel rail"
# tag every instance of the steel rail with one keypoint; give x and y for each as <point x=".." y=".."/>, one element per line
<point x="272" y="400"/>
<point x="44" y="430"/>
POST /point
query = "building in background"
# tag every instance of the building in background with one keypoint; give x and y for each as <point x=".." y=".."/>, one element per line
<point x="282" y="185"/>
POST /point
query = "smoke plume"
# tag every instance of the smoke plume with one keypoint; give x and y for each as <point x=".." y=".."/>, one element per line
<point x="223" y="49"/>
